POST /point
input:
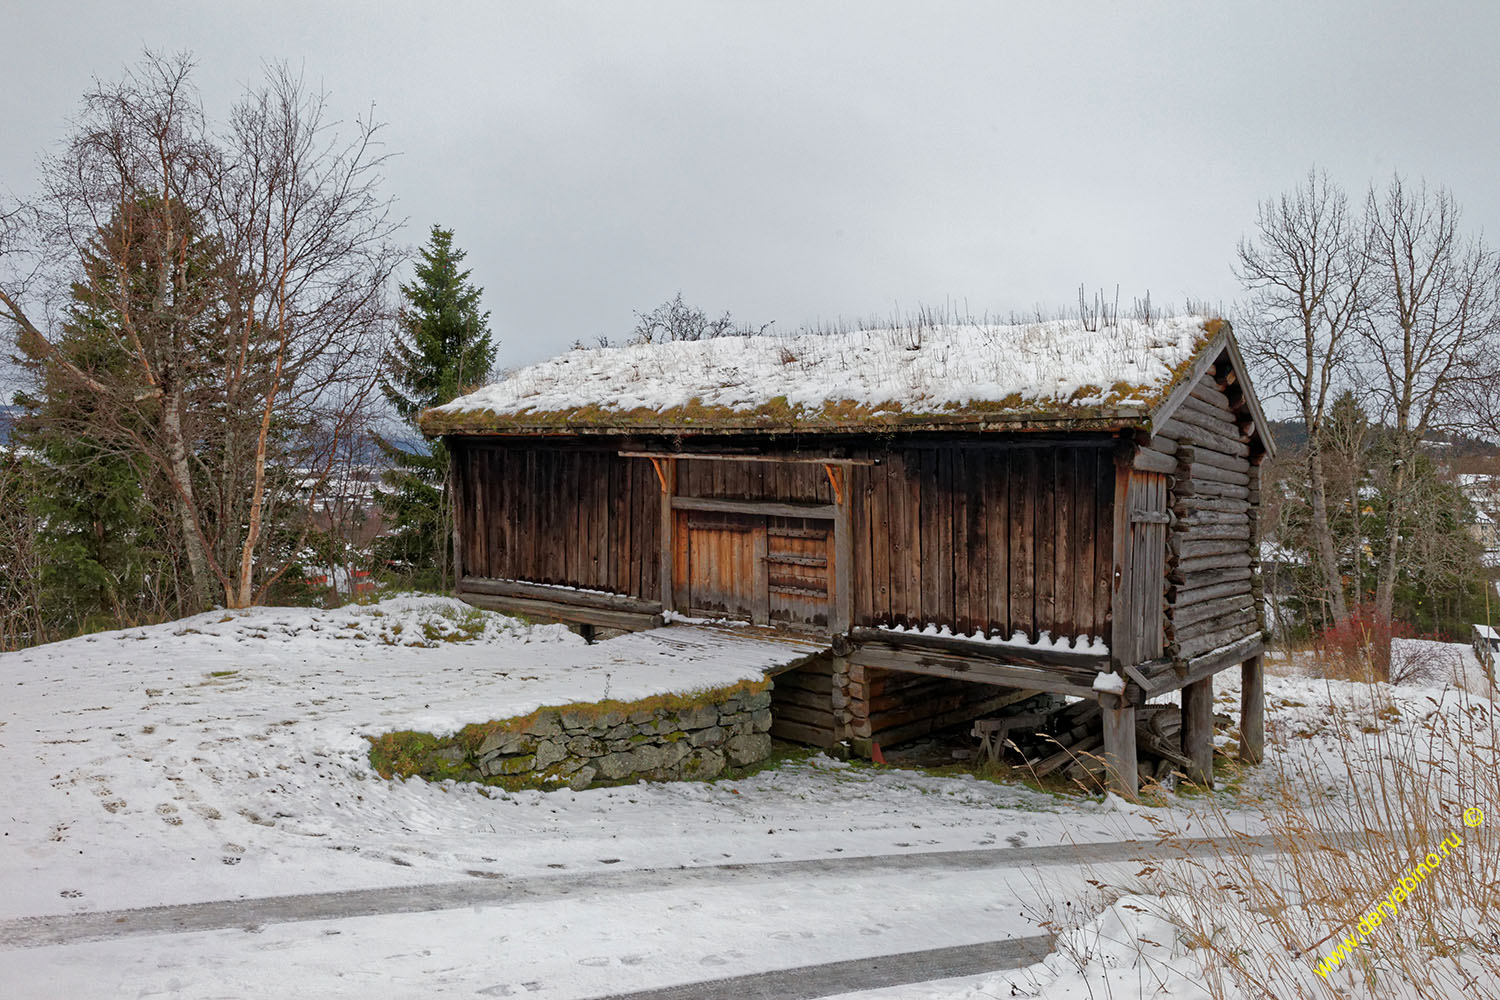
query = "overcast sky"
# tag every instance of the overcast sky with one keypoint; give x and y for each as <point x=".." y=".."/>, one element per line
<point x="800" y="162"/>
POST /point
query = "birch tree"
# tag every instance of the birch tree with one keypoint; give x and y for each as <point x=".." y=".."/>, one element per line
<point x="247" y="268"/>
<point x="1305" y="269"/>
<point x="1430" y="329"/>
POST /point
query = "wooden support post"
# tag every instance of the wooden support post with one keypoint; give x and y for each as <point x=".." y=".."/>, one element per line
<point x="1119" y="746"/>
<point x="843" y="717"/>
<point x="1253" y="710"/>
<point x="858" y="688"/>
<point x="666" y="474"/>
<point x="842" y="611"/>
<point x="1198" y="730"/>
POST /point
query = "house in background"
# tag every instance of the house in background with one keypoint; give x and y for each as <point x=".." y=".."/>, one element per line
<point x="1482" y="490"/>
<point x="1486" y="642"/>
<point x="960" y="513"/>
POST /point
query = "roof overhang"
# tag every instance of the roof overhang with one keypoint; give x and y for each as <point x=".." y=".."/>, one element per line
<point x="1219" y="348"/>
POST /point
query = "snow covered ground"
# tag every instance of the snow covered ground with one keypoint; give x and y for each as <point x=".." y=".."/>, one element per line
<point x="223" y="758"/>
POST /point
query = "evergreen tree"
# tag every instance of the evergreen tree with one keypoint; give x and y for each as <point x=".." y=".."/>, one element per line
<point x="98" y="539"/>
<point x="442" y="347"/>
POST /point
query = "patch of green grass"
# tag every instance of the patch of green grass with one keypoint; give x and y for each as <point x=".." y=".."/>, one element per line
<point x="221" y="674"/>
<point x="782" y="754"/>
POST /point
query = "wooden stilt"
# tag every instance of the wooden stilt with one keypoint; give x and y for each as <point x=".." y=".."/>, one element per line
<point x="1198" y="730"/>
<point x="1119" y="745"/>
<point x="1253" y="710"/>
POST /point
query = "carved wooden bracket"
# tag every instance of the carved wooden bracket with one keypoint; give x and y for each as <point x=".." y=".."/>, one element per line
<point x="836" y="480"/>
<point x="661" y="474"/>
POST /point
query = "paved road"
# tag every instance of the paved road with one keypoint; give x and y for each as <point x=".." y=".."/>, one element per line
<point x="489" y="888"/>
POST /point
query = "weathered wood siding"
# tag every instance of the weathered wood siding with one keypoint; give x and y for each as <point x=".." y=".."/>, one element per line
<point x="1141" y="635"/>
<point x="994" y="537"/>
<point x="1211" y="589"/>
<point x="790" y="482"/>
<point x="1000" y="538"/>
<point x="559" y="515"/>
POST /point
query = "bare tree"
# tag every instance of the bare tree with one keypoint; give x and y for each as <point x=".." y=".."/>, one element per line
<point x="309" y="238"/>
<point x="1305" y="269"/>
<point x="676" y="320"/>
<point x="245" y="272"/>
<point x="1431" y="328"/>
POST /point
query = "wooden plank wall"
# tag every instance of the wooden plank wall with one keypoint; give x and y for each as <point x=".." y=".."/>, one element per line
<point x="1210" y="583"/>
<point x="994" y="537"/>
<point x="791" y="482"/>
<point x="998" y="538"/>
<point x="566" y="516"/>
<point x="1146" y="505"/>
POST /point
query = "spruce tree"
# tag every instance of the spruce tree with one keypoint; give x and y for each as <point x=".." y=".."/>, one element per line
<point x="442" y="347"/>
<point x="99" y="539"/>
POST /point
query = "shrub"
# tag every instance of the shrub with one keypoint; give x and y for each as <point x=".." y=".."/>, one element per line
<point x="1359" y="648"/>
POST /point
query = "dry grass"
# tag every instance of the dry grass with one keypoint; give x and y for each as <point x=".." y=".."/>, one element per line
<point x="1400" y="785"/>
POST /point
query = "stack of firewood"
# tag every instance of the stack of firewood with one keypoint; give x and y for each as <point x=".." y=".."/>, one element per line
<point x="1054" y="738"/>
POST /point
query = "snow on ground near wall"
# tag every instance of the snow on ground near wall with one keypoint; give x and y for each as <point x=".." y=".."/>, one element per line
<point x="136" y="776"/>
<point x="224" y="756"/>
<point x="946" y="365"/>
<point x="1133" y="948"/>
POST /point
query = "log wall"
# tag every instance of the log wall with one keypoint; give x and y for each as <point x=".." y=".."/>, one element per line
<point x="1212" y="594"/>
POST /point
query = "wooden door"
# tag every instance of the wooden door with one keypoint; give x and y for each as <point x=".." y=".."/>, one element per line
<point x="1145" y="603"/>
<point x="762" y="569"/>
<point x="716" y="571"/>
<point x="800" y="570"/>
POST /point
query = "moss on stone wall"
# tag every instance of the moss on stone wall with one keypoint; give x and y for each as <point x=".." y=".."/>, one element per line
<point x="663" y="737"/>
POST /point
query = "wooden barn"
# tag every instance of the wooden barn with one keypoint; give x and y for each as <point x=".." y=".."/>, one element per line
<point x="964" y="514"/>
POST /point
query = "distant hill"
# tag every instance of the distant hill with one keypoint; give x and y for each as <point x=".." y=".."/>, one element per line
<point x="1291" y="435"/>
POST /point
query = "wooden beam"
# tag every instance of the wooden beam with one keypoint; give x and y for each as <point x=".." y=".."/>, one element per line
<point x="1198" y="730"/>
<point x="559" y="595"/>
<point x="978" y="671"/>
<point x="763" y="508"/>
<point x="749" y="457"/>
<point x="668" y="543"/>
<point x="1253" y="709"/>
<point x="1151" y="460"/>
<point x="1206" y="665"/>
<point x="1119" y="747"/>
<point x="555" y="611"/>
<point x="1028" y="657"/>
<point x="841" y="608"/>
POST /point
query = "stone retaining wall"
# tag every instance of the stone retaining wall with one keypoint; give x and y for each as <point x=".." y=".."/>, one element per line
<point x="657" y="739"/>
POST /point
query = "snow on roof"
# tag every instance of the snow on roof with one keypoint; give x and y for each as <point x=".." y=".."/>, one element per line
<point x="1486" y="632"/>
<point x="959" y="373"/>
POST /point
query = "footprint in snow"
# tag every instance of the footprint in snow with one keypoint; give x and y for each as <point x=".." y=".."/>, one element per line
<point x="723" y="959"/>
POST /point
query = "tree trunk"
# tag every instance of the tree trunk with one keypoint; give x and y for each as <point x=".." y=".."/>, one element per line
<point x="182" y="498"/>
<point x="1385" y="584"/>
<point x="1333" y="582"/>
